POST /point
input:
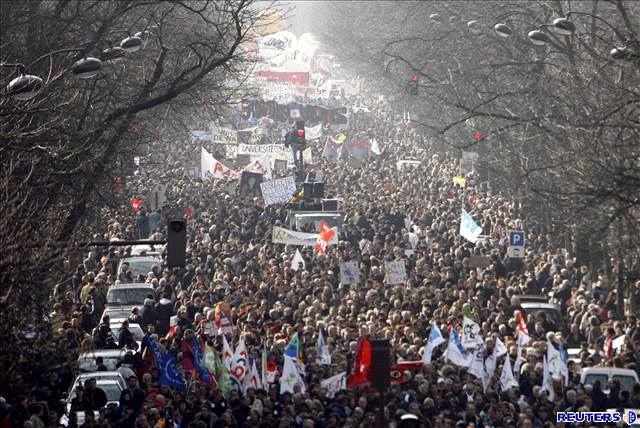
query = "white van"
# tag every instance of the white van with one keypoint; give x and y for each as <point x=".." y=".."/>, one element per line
<point x="626" y="377"/>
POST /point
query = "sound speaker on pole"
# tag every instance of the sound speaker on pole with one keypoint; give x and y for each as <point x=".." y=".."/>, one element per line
<point x="329" y="205"/>
<point x="380" y="364"/>
<point x="176" y="242"/>
<point x="318" y="190"/>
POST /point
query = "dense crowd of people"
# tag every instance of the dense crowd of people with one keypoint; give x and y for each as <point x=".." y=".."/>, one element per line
<point x="410" y="214"/>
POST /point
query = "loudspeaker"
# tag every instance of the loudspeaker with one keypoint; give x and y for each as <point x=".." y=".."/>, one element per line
<point x="308" y="190"/>
<point x="176" y="242"/>
<point x="380" y="364"/>
<point x="318" y="190"/>
<point x="329" y="205"/>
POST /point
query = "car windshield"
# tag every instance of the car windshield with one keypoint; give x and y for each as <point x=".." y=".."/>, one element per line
<point x="127" y="296"/>
<point x="552" y="315"/>
<point x="592" y="378"/>
<point x="88" y="363"/>
<point x="626" y="382"/>
<point x="141" y="267"/>
<point x="112" y="390"/>
<point x="136" y="331"/>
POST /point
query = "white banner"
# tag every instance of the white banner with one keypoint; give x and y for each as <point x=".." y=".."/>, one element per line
<point x="278" y="191"/>
<point x="278" y="151"/>
<point x="313" y="132"/>
<point x="280" y="235"/>
<point x="396" y="272"/>
<point x="404" y="163"/>
<point x="210" y="167"/>
<point x="222" y="135"/>
<point x="200" y="136"/>
<point x="335" y="384"/>
<point x="349" y="272"/>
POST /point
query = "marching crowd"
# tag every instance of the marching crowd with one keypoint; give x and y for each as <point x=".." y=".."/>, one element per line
<point x="390" y="213"/>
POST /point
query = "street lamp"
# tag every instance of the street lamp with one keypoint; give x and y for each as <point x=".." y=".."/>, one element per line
<point x="538" y="38"/>
<point x="113" y="54"/>
<point x="473" y="26"/>
<point x="502" y="30"/>
<point x="86" y="68"/>
<point x="25" y="86"/>
<point x="435" y="17"/>
<point x="563" y="26"/>
<point x="131" y="43"/>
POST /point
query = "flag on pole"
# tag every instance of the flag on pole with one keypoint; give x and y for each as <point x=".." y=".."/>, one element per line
<point x="198" y="363"/>
<point x="522" y="325"/>
<point x="269" y="368"/>
<point x="468" y="228"/>
<point x="476" y="367"/>
<point x="456" y="353"/>
<point x="239" y="364"/>
<point x="324" y="236"/>
<point x="470" y="333"/>
<point x="361" y="364"/>
<point x="227" y="354"/>
<point x="169" y="374"/>
<point x="435" y="339"/>
<point x="252" y="379"/>
<point x="334" y="384"/>
<point x="222" y="376"/>
<point x="547" y="380"/>
<point x="297" y="259"/>
<point x="290" y="377"/>
<point x="293" y="347"/>
<point x="324" y="356"/>
<point x="500" y="348"/>
<point x="507" y="380"/>
<point x="489" y="370"/>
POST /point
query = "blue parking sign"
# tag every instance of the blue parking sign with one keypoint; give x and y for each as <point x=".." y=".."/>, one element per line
<point x="516" y="238"/>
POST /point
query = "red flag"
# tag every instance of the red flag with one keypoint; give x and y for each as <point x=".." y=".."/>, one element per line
<point x="188" y="212"/>
<point x="324" y="236"/>
<point x="477" y="136"/>
<point x="136" y="204"/>
<point x="397" y="371"/>
<point x="522" y="323"/>
<point x="361" y="364"/>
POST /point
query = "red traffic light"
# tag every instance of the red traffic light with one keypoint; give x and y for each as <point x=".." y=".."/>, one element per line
<point x="414" y="78"/>
<point x="301" y="133"/>
<point x="477" y="136"/>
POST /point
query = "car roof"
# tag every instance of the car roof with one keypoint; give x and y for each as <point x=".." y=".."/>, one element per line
<point x="539" y="305"/>
<point x="98" y="375"/>
<point x="114" y="321"/>
<point x="102" y="353"/>
<point x="131" y="285"/>
<point x="139" y="259"/>
<point x="607" y="370"/>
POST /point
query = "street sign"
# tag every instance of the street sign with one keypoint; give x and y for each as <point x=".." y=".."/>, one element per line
<point x="516" y="244"/>
<point x="157" y="197"/>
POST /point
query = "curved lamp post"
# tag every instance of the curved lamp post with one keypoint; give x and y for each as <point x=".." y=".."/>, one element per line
<point x="86" y="68"/>
<point x="502" y="30"/>
<point x="538" y="38"/>
<point x="113" y="54"/>
<point x="563" y="26"/>
<point x="435" y="17"/>
<point x="131" y="44"/>
<point x="25" y="86"/>
<point x="473" y="26"/>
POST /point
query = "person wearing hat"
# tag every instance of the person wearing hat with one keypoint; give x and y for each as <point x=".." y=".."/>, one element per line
<point x="125" y="276"/>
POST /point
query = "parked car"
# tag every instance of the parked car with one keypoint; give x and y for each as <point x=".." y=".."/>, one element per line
<point x="122" y="298"/>
<point x="146" y="250"/>
<point x="551" y="311"/>
<point x="528" y="298"/>
<point x="135" y="329"/>
<point x="626" y="377"/>
<point x="140" y="265"/>
<point x="110" y="357"/>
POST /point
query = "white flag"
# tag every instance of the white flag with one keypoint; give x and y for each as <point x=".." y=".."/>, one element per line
<point x="290" y="377"/>
<point x="335" y="384"/>
<point x="476" y="367"/>
<point x="239" y="365"/>
<point x="547" y="380"/>
<point x="375" y="149"/>
<point x="507" y="380"/>
<point x="470" y="333"/>
<point x="489" y="370"/>
<point x="252" y="379"/>
<point x="456" y="353"/>
<point x="435" y="339"/>
<point x="501" y="349"/>
<point x="468" y="228"/>
<point x="227" y="354"/>
<point x="324" y="356"/>
<point x="297" y="259"/>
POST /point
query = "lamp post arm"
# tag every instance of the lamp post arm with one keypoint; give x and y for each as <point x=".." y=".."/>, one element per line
<point x="615" y="30"/>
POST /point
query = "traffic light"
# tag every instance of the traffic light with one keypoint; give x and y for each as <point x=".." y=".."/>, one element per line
<point x="300" y="134"/>
<point x="413" y="85"/>
<point x="176" y="242"/>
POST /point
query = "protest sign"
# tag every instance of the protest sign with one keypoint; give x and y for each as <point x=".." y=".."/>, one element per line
<point x="349" y="272"/>
<point x="313" y="132"/>
<point x="280" y="235"/>
<point x="280" y="166"/>
<point x="335" y="384"/>
<point x="250" y="183"/>
<point x="405" y="163"/>
<point x="277" y="151"/>
<point x="200" y="136"/>
<point x="278" y="191"/>
<point x="210" y="167"/>
<point x="396" y="272"/>
<point x="220" y="135"/>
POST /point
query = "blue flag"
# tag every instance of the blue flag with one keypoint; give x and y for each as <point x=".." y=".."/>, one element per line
<point x="169" y="374"/>
<point x="202" y="371"/>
